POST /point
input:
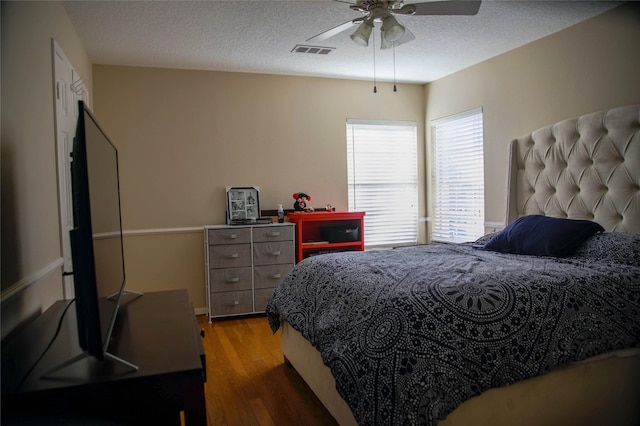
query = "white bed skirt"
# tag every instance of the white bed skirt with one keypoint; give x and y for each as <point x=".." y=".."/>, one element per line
<point x="600" y="391"/>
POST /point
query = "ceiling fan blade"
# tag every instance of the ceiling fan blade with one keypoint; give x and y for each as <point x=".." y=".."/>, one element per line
<point x="448" y="7"/>
<point x="335" y="30"/>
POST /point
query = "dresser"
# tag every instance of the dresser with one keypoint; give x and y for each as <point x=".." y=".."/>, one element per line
<point x="244" y="264"/>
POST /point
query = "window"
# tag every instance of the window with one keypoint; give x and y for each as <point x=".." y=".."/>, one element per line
<point x="383" y="179"/>
<point x="458" y="177"/>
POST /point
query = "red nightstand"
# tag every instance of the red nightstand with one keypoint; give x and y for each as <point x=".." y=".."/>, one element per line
<point x="313" y="228"/>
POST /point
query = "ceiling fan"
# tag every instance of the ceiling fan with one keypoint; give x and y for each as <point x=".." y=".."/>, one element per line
<point x="393" y="33"/>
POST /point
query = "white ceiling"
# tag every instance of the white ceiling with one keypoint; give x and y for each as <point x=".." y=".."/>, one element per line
<point x="259" y="36"/>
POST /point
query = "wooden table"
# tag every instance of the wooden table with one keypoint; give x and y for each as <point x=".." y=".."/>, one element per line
<point x="158" y="332"/>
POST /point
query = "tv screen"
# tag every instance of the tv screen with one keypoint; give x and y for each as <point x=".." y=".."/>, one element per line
<point x="96" y="238"/>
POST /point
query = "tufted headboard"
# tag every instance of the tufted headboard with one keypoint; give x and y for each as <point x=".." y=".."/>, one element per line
<point x="581" y="168"/>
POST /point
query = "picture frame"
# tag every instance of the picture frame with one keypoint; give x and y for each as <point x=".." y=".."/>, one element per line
<point x="243" y="204"/>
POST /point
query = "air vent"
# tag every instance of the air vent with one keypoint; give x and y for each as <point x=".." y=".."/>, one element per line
<point x="316" y="50"/>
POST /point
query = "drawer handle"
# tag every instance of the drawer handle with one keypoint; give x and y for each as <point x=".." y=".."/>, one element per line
<point x="232" y="256"/>
<point x="231" y="236"/>
<point x="232" y="303"/>
<point x="232" y="280"/>
<point x="274" y="234"/>
<point x="274" y="253"/>
<point x="275" y="276"/>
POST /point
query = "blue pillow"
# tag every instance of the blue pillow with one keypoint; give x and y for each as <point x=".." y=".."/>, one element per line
<point x="543" y="236"/>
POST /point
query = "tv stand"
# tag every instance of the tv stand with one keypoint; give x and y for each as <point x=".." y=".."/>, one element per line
<point x="158" y="333"/>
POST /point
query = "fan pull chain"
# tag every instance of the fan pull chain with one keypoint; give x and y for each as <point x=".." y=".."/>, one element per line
<point x="373" y="44"/>
<point x="394" y="67"/>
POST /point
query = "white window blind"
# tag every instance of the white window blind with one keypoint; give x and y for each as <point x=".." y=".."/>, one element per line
<point x="383" y="180"/>
<point x="458" y="177"/>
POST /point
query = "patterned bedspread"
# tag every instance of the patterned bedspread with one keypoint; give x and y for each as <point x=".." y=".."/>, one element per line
<point x="409" y="334"/>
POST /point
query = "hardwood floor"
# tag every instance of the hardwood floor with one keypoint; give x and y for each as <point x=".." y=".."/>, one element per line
<point x="247" y="380"/>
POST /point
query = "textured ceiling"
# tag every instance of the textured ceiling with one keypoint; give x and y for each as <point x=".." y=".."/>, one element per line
<point x="259" y="36"/>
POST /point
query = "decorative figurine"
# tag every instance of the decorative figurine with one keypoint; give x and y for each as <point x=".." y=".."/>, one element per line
<point x="300" y="204"/>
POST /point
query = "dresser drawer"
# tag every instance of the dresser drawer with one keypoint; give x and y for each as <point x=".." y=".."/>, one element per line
<point x="272" y="233"/>
<point x="230" y="256"/>
<point x="231" y="302"/>
<point x="229" y="236"/>
<point x="273" y="253"/>
<point x="230" y="279"/>
<point x="262" y="297"/>
<point x="269" y="276"/>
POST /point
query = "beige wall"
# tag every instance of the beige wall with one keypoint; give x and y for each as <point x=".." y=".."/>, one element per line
<point x="591" y="66"/>
<point x="200" y="131"/>
<point x="183" y="136"/>
<point x="31" y="255"/>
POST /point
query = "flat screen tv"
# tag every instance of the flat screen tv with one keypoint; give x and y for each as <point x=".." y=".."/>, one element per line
<point x="96" y="238"/>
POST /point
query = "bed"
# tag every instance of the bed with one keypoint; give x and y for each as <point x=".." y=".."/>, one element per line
<point x="537" y="324"/>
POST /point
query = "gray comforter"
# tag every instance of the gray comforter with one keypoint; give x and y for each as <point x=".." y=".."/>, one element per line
<point x="409" y="334"/>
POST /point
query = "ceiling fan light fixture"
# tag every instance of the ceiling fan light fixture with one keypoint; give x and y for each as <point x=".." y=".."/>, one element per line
<point x="391" y="29"/>
<point x="362" y="34"/>
<point x="384" y="43"/>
